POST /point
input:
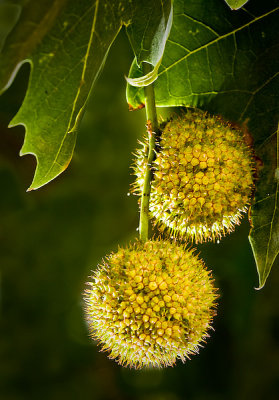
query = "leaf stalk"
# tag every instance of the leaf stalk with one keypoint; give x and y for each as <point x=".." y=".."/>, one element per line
<point x="153" y="130"/>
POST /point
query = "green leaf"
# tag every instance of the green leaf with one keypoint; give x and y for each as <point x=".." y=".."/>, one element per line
<point x="228" y="63"/>
<point x="150" y="29"/>
<point x="236" y="4"/>
<point x="148" y="36"/>
<point x="66" y="42"/>
<point x="61" y="41"/>
<point x="264" y="236"/>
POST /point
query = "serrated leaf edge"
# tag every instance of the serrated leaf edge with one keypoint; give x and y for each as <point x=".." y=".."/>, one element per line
<point x="70" y="128"/>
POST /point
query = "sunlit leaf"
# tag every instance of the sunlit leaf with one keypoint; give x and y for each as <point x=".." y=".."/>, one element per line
<point x="66" y="42"/>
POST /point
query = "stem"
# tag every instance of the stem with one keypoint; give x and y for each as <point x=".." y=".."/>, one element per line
<point x="152" y="129"/>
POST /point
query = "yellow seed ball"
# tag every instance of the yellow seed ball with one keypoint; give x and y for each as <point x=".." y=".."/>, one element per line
<point x="219" y="167"/>
<point x="149" y="330"/>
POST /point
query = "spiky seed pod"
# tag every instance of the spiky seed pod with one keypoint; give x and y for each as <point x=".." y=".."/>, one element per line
<point x="203" y="176"/>
<point x="150" y="304"/>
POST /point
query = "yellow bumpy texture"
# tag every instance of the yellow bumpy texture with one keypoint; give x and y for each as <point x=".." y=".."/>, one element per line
<point x="203" y="177"/>
<point x="150" y="304"/>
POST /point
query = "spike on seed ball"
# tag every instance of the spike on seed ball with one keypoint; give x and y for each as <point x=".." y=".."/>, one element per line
<point x="163" y="320"/>
<point x="202" y="176"/>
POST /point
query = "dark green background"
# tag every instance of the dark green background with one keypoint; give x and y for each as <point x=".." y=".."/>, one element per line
<point x="51" y="239"/>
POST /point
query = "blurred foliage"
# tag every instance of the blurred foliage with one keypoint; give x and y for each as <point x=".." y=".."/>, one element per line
<point x="52" y="238"/>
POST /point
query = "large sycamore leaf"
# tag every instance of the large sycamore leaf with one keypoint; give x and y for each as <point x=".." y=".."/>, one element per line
<point x="227" y="62"/>
<point x="66" y="42"/>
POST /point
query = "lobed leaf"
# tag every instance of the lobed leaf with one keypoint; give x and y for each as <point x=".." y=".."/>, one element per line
<point x="66" y="43"/>
<point x="228" y="63"/>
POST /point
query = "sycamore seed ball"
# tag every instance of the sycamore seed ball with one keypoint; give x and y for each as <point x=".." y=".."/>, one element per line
<point x="203" y="176"/>
<point x="150" y="304"/>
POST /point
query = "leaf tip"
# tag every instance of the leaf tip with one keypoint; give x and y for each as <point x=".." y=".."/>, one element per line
<point x="259" y="287"/>
<point x="262" y="281"/>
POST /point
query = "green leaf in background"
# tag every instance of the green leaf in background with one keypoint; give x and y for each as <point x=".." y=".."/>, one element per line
<point x="227" y="62"/>
<point x="66" y="43"/>
<point x="236" y="4"/>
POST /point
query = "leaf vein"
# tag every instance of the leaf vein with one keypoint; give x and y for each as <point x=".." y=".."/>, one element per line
<point x="81" y="82"/>
<point x="200" y="23"/>
<point x="178" y="44"/>
<point x="220" y="38"/>
<point x="271" y="231"/>
<point x="275" y="209"/>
